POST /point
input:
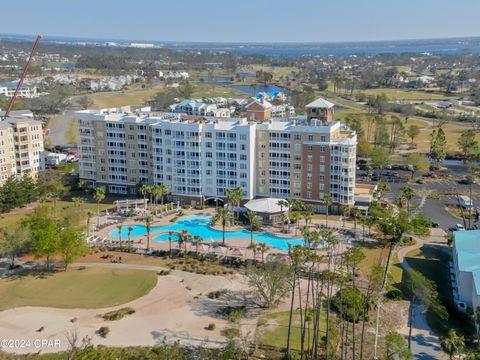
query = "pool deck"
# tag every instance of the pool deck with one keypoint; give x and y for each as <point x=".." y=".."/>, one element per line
<point x="141" y="241"/>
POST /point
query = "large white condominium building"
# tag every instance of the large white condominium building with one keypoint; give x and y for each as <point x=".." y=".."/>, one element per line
<point x="199" y="158"/>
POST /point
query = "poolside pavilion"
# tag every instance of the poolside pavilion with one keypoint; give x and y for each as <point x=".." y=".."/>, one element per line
<point x="268" y="209"/>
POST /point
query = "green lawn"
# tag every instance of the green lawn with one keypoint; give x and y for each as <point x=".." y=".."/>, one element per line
<point x="88" y="288"/>
<point x="374" y="253"/>
<point x="272" y="329"/>
<point x="14" y="216"/>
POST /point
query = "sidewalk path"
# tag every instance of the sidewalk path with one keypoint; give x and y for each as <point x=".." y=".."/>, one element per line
<point x="425" y="344"/>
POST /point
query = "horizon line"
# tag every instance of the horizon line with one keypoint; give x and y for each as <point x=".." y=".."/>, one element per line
<point x="46" y="36"/>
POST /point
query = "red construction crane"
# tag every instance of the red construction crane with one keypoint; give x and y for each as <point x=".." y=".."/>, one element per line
<point x="24" y="75"/>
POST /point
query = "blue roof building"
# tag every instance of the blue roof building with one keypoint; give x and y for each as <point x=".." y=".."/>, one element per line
<point x="466" y="269"/>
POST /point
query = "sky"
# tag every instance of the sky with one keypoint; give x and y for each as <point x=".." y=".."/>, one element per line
<point x="243" y="20"/>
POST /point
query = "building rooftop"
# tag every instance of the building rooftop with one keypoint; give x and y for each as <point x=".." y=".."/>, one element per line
<point x="15" y="113"/>
<point x="266" y="205"/>
<point x="320" y="103"/>
<point x="468" y="253"/>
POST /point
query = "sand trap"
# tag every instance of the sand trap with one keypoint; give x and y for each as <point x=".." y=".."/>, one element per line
<point x="168" y="312"/>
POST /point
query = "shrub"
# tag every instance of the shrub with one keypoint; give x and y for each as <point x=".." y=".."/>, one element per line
<point x="210" y="327"/>
<point x="103" y="331"/>
<point x="186" y="206"/>
<point x="230" y="333"/>
<point x="214" y="294"/>
<point x="117" y="314"/>
<point x="164" y="272"/>
<point x="394" y="294"/>
<point x="234" y="313"/>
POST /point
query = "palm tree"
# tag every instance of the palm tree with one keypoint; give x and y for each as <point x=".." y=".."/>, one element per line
<point x="77" y="201"/>
<point x="295" y="217"/>
<point x="148" y="224"/>
<point x="382" y="188"/>
<point x="254" y="223"/>
<point x="150" y="189"/>
<point x="234" y="196"/>
<point x="307" y="214"/>
<point x="254" y="248"/>
<point x="223" y="217"/>
<point x="355" y="213"/>
<point x="89" y="217"/>
<point x="99" y="196"/>
<point x="283" y="217"/>
<point x="162" y="190"/>
<point x="263" y="249"/>
<point x="119" y="228"/>
<point x="196" y="240"/>
<point x="170" y="234"/>
<point x="183" y="238"/>
<point x="453" y="344"/>
<point x="130" y="229"/>
<point x="155" y="194"/>
<point x="143" y="190"/>
<point x="408" y="194"/>
<point x="344" y="210"/>
<point x="328" y="238"/>
<point x="328" y="201"/>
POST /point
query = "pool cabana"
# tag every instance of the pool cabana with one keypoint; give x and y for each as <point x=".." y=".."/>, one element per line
<point x="268" y="209"/>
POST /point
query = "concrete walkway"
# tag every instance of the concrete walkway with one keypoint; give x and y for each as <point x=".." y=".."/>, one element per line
<point x="425" y="344"/>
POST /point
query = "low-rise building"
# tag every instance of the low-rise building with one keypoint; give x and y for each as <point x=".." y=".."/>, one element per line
<point x="8" y="89"/>
<point x="465" y="269"/>
<point x="259" y="110"/>
<point x="198" y="108"/>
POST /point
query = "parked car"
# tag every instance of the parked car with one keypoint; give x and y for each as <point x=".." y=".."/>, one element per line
<point x="432" y="174"/>
<point x="457" y="227"/>
<point x="466" y="181"/>
<point x="391" y="173"/>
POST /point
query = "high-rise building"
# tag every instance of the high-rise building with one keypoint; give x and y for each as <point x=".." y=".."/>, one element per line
<point x="200" y="158"/>
<point x="21" y="147"/>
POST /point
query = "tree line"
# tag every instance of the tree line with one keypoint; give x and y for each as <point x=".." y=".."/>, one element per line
<point x="19" y="192"/>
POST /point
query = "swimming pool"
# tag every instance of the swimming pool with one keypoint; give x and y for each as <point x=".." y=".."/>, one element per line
<point x="200" y="225"/>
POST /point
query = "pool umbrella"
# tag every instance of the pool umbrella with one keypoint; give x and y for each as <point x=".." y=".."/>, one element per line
<point x="238" y="253"/>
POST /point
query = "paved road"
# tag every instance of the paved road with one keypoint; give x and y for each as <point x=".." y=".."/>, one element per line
<point x="58" y="126"/>
<point x="425" y="344"/>
<point x="434" y="209"/>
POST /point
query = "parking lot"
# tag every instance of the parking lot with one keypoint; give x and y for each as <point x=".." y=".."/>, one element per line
<point x="434" y="194"/>
<point x="435" y="209"/>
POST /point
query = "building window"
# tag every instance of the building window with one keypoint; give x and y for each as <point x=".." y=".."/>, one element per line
<point x="310" y="137"/>
<point x="297" y="137"/>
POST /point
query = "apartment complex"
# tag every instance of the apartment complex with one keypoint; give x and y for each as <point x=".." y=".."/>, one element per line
<point x="199" y="158"/>
<point x="21" y="147"/>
